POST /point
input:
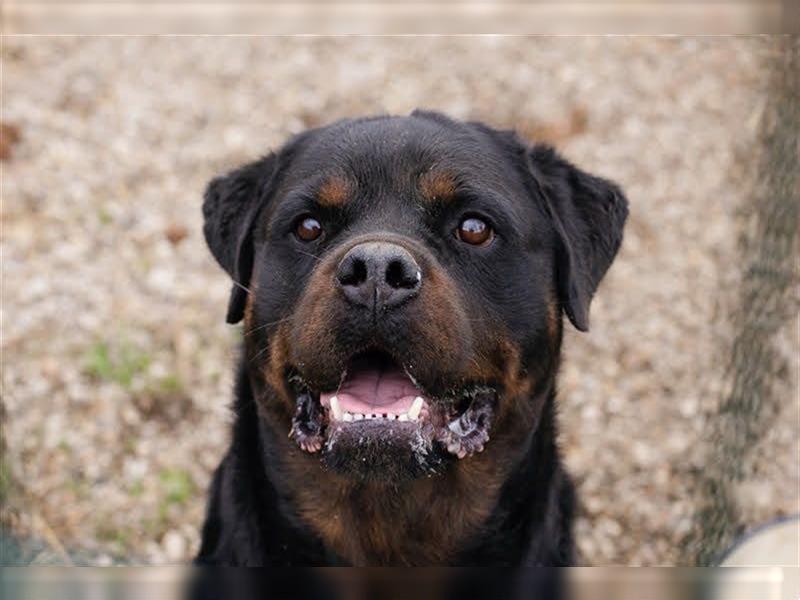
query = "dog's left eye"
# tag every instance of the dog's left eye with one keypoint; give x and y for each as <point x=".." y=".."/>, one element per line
<point x="308" y="229"/>
<point x="475" y="231"/>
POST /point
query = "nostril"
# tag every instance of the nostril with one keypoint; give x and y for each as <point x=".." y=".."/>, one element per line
<point x="353" y="273"/>
<point x="400" y="275"/>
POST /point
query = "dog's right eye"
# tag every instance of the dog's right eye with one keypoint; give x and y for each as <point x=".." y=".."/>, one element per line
<point x="308" y="229"/>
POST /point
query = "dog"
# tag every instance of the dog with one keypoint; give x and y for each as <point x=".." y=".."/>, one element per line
<point x="402" y="281"/>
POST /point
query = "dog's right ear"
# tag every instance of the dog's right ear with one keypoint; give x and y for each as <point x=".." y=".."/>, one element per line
<point x="231" y="206"/>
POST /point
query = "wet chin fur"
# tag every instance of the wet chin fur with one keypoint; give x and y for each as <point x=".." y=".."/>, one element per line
<point x="383" y="452"/>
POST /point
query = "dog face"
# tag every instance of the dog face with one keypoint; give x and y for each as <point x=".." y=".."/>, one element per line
<point x="402" y="281"/>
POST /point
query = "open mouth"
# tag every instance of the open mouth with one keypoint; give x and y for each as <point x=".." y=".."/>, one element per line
<point x="374" y="387"/>
<point x="378" y="402"/>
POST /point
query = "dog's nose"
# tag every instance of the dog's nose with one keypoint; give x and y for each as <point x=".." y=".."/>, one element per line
<point x="379" y="275"/>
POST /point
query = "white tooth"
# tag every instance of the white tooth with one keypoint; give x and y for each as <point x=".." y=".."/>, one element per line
<point x="357" y="416"/>
<point x="403" y="417"/>
<point x="392" y="417"/>
<point x="347" y="417"/>
<point x="413" y="412"/>
<point x="336" y="409"/>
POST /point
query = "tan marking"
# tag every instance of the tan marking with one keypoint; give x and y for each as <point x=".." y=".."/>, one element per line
<point x="336" y="190"/>
<point x="438" y="186"/>
<point x="360" y="522"/>
<point x="248" y="306"/>
<point x="553" y="323"/>
<point x="275" y="369"/>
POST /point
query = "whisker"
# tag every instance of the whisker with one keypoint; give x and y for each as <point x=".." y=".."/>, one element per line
<point x="314" y="256"/>
<point x="236" y="283"/>
<point x="341" y="382"/>
<point x="260" y="352"/>
<point x="475" y="362"/>
<point x="254" y="329"/>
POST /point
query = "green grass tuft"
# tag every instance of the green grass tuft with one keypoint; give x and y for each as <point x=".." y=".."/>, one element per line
<point x="119" y="365"/>
<point x="177" y="486"/>
<point x="5" y="482"/>
<point x="168" y="385"/>
<point x="136" y="488"/>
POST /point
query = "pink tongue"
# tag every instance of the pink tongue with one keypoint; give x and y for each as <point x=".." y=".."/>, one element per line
<point x="375" y="390"/>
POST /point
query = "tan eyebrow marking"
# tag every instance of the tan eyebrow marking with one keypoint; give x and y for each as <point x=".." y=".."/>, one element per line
<point x="336" y="190"/>
<point x="438" y="186"/>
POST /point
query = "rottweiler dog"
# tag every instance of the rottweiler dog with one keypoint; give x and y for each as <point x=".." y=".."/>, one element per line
<point x="401" y="282"/>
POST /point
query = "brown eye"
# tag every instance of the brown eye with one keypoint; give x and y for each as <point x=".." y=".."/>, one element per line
<point x="475" y="231"/>
<point x="308" y="229"/>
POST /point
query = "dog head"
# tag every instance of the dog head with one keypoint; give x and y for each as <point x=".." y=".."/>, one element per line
<point x="402" y="281"/>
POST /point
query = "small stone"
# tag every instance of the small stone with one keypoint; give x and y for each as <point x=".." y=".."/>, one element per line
<point x="174" y="546"/>
<point x="9" y="137"/>
<point x="176" y="233"/>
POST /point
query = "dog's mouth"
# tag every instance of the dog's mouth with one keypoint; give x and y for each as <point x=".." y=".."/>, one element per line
<point x="379" y="404"/>
<point x="374" y="387"/>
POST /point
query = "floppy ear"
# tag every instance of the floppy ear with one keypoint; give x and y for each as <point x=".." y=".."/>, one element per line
<point x="588" y="215"/>
<point x="231" y="205"/>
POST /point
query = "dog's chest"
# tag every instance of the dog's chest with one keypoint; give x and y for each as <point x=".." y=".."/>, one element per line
<point x="426" y="523"/>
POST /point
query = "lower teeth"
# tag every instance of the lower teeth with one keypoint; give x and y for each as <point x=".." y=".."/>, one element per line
<point x="339" y="415"/>
<point x="350" y="417"/>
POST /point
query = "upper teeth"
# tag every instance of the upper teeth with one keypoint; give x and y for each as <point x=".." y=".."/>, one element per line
<point x="413" y="412"/>
<point x="336" y="409"/>
<point x="342" y="415"/>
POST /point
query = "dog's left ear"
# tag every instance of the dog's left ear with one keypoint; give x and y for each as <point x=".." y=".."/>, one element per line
<point x="231" y="204"/>
<point x="588" y="215"/>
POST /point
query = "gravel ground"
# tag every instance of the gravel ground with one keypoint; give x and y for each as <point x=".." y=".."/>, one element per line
<point x="116" y="367"/>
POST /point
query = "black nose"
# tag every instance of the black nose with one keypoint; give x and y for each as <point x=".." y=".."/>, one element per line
<point x="379" y="275"/>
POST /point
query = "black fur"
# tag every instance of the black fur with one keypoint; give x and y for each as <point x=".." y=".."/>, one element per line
<point x="588" y="214"/>
<point x="558" y="231"/>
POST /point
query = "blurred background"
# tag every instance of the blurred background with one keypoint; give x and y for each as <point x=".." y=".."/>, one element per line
<point x="394" y="16"/>
<point x="117" y="364"/>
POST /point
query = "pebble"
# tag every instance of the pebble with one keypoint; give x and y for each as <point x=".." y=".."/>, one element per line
<point x="174" y="546"/>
